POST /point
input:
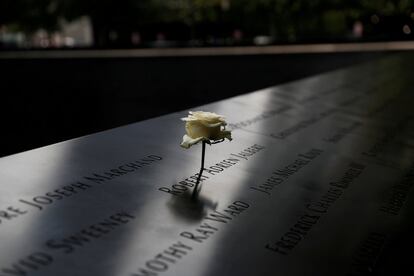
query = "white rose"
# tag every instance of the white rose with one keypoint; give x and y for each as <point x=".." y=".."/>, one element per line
<point x="205" y="126"/>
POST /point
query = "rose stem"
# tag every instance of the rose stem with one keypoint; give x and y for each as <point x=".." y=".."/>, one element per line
<point x="203" y="153"/>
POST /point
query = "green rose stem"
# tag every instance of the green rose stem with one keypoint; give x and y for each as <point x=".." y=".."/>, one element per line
<point x="203" y="154"/>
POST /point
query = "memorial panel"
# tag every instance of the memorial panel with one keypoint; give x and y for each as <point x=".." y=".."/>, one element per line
<point x="317" y="181"/>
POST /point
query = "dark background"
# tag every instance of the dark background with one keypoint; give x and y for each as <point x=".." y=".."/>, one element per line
<point x="50" y="100"/>
<point x="46" y="100"/>
<point x="29" y="24"/>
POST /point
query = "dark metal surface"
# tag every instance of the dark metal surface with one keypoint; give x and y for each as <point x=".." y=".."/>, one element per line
<point x="316" y="182"/>
<point x="56" y="99"/>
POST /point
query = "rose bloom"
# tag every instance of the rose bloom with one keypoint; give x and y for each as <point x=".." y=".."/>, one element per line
<point x="207" y="126"/>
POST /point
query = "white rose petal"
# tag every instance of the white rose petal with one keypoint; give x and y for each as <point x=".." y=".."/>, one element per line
<point x="206" y="126"/>
<point x="188" y="141"/>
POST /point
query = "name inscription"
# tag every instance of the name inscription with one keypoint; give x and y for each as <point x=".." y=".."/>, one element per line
<point x="48" y="254"/>
<point x="210" y="225"/>
<point x="302" y="125"/>
<point x="314" y="211"/>
<point x="39" y="202"/>
<point x="234" y="158"/>
<point x="398" y="193"/>
<point x="280" y="175"/>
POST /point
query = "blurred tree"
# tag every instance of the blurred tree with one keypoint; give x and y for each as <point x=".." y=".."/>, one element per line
<point x="287" y="20"/>
<point x="191" y="12"/>
<point x="280" y="19"/>
<point x="283" y="20"/>
<point x="29" y="15"/>
<point x="112" y="18"/>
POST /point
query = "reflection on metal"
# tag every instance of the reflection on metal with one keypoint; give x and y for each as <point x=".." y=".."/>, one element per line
<point x="319" y="173"/>
<point x="217" y="51"/>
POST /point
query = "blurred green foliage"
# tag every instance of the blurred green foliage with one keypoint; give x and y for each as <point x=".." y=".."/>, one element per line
<point x="283" y="20"/>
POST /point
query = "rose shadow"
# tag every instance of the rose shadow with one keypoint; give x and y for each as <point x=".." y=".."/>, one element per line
<point x="191" y="206"/>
